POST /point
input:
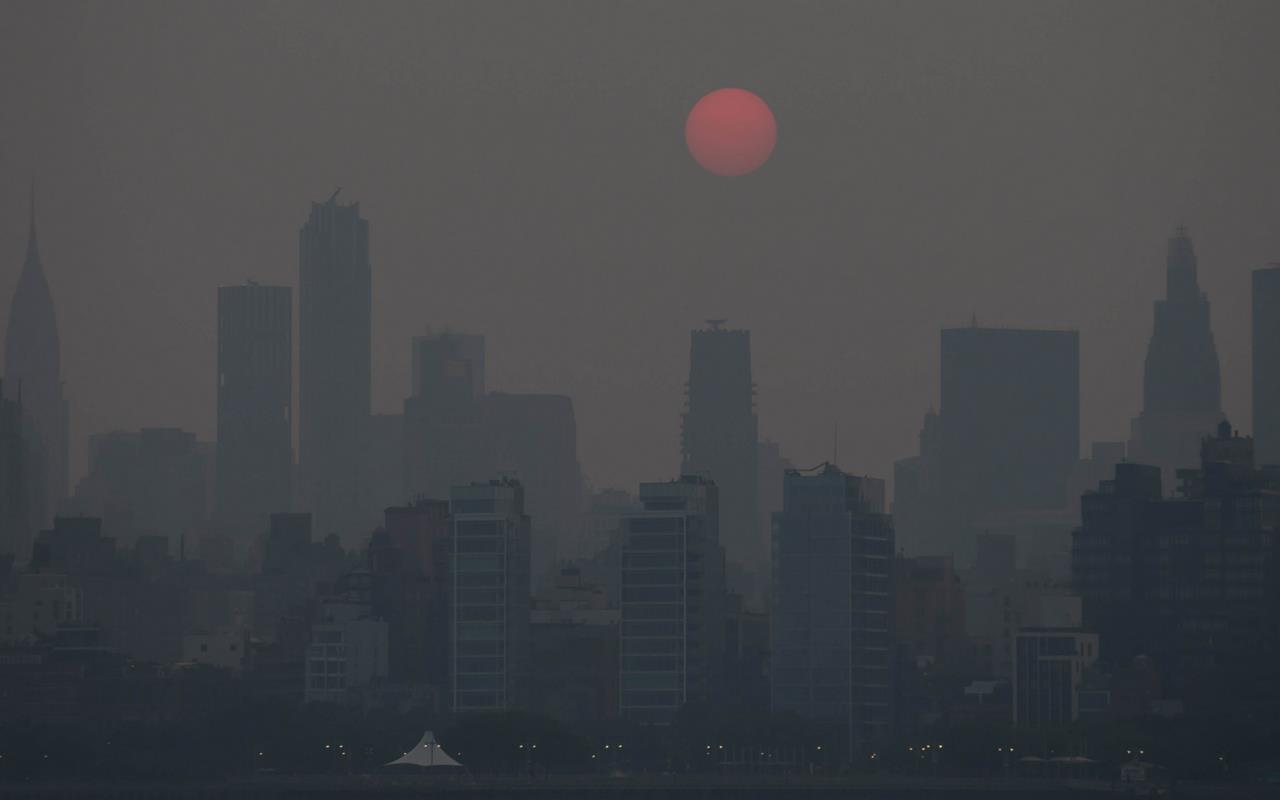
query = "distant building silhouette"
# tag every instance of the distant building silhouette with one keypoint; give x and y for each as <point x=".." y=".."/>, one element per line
<point x="719" y="437"/>
<point x="489" y="607"/>
<point x="334" y="328"/>
<point x="255" y="405"/>
<point x="833" y="617"/>
<point x="535" y="438"/>
<point x="454" y="435"/>
<point x="1266" y="364"/>
<point x="443" y="435"/>
<point x="33" y="375"/>
<point x="673" y="601"/>
<point x="1004" y="444"/>
<point x="1181" y="388"/>
<point x="15" y="518"/>
<point x="429" y="349"/>
<point x="155" y="481"/>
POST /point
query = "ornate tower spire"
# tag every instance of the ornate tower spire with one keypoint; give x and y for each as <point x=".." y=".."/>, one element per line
<point x="33" y="360"/>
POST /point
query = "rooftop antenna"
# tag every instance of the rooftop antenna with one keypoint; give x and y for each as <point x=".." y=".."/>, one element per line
<point x="333" y="196"/>
<point x="716" y="323"/>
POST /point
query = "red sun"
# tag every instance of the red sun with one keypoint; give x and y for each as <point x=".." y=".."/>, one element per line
<point x="730" y="132"/>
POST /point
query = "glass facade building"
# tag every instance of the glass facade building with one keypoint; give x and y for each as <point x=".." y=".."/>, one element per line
<point x="833" y="604"/>
<point x="672" y="632"/>
<point x="489" y="625"/>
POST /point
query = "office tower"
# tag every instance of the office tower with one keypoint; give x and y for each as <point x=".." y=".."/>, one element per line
<point x="33" y="373"/>
<point x="255" y="405"/>
<point x="15" y="521"/>
<point x="334" y="318"/>
<point x="673" y="601"/>
<point x="287" y="542"/>
<point x="833" y="605"/>
<point x="1266" y="364"/>
<point x="534" y="437"/>
<point x="1191" y="582"/>
<point x="720" y="437"/>
<point x="1181" y="390"/>
<point x="489" y="609"/>
<point x="1010" y="421"/>
<point x="443" y="435"/>
<point x="149" y="482"/>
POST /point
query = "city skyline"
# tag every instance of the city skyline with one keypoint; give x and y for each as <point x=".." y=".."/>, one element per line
<point x="841" y="271"/>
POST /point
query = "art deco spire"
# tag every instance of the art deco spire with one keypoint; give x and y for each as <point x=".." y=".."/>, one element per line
<point x="33" y="361"/>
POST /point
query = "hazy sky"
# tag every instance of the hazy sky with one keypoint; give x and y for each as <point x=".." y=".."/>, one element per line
<point x="523" y="169"/>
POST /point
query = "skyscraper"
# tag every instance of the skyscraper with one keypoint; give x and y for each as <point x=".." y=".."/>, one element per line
<point x="489" y="607"/>
<point x="720" y="437"/>
<point x="1181" y="388"/>
<point x="1010" y="420"/>
<point x="334" y="323"/>
<point x="1266" y="365"/>
<point x="255" y="404"/>
<point x="673" y="601"/>
<point x="33" y="374"/>
<point x="833" y="604"/>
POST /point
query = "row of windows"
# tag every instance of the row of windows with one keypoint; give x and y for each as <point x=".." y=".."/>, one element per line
<point x="321" y="667"/>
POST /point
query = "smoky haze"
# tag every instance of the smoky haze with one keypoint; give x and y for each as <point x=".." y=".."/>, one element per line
<point x="523" y="169"/>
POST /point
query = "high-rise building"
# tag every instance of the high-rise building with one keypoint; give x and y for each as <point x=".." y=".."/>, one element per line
<point x="15" y="521"/>
<point x="489" y="607"/>
<point x="1266" y="364"/>
<point x="833" y="617"/>
<point x="720" y="437"/>
<point x="1181" y="388"/>
<point x="334" y="324"/>
<point x="255" y="405"/>
<point x="1010" y="422"/>
<point x="33" y="373"/>
<point x="673" y="601"/>
<point x="1193" y="581"/>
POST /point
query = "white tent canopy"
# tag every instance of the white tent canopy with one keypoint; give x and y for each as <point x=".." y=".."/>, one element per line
<point x="426" y="753"/>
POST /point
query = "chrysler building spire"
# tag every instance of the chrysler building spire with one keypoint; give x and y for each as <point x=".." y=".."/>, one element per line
<point x="33" y="365"/>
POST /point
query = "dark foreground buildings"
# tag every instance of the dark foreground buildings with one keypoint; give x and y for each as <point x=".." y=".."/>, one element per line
<point x="1266" y="365"/>
<point x="833" y="618"/>
<point x="1192" y="581"/>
